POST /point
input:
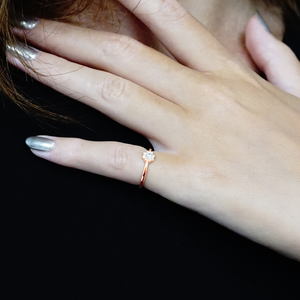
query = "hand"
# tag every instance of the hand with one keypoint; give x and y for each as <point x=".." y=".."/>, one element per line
<point x="227" y="142"/>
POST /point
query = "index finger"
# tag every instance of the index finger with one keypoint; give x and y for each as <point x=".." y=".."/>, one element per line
<point x="183" y="35"/>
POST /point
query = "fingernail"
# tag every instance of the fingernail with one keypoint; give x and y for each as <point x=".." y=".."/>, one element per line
<point x="40" y="143"/>
<point x="23" y="51"/>
<point x="28" y="23"/>
<point x="262" y="22"/>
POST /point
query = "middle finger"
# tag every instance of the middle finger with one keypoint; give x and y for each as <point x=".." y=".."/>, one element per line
<point x="117" y="54"/>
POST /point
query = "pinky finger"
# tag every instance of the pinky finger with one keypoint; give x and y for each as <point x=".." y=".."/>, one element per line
<point x="111" y="159"/>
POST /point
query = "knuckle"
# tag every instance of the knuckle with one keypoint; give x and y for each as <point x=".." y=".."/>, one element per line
<point x="120" y="46"/>
<point x="73" y="158"/>
<point x="118" y="159"/>
<point x="173" y="11"/>
<point x="113" y="90"/>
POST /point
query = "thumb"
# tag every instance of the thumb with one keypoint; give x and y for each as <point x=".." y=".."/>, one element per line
<point x="273" y="57"/>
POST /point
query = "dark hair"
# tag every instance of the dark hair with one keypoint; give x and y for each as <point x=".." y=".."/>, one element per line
<point x="13" y="10"/>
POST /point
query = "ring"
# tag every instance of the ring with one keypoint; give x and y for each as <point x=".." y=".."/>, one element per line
<point x="148" y="158"/>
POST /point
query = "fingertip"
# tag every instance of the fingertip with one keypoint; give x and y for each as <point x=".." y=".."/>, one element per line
<point x="260" y="43"/>
<point x="41" y="146"/>
<point x="41" y="154"/>
<point x="256" y="33"/>
<point x="258" y="23"/>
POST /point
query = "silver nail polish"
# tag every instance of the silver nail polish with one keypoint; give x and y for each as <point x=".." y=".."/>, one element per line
<point x="40" y="143"/>
<point x="23" y="51"/>
<point x="28" y="23"/>
<point x="263" y="23"/>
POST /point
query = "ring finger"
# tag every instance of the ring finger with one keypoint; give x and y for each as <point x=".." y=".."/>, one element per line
<point x="111" y="159"/>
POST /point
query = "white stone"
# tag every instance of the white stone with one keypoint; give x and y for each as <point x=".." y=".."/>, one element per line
<point x="149" y="156"/>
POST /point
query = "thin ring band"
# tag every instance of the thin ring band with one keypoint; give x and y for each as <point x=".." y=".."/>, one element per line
<point x="148" y="158"/>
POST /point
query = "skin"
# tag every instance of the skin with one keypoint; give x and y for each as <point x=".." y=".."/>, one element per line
<point x="232" y="151"/>
<point x="234" y="13"/>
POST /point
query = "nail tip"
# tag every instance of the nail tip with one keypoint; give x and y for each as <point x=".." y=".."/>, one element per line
<point x="23" y="51"/>
<point x="262" y="22"/>
<point x="40" y="144"/>
<point x="28" y="23"/>
<point x="27" y="141"/>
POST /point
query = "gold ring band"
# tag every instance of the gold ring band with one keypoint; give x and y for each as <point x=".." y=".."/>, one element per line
<point x="148" y="158"/>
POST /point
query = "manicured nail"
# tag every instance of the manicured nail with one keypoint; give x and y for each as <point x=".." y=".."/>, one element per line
<point x="23" y="51"/>
<point x="28" y="23"/>
<point x="40" y="143"/>
<point x="262" y="22"/>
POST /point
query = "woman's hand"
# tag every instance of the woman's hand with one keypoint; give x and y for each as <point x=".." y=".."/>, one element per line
<point x="227" y="142"/>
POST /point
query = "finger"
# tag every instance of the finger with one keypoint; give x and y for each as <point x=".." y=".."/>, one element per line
<point x="117" y="54"/>
<point x="121" y="100"/>
<point x="111" y="159"/>
<point x="184" y="36"/>
<point x="273" y="57"/>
